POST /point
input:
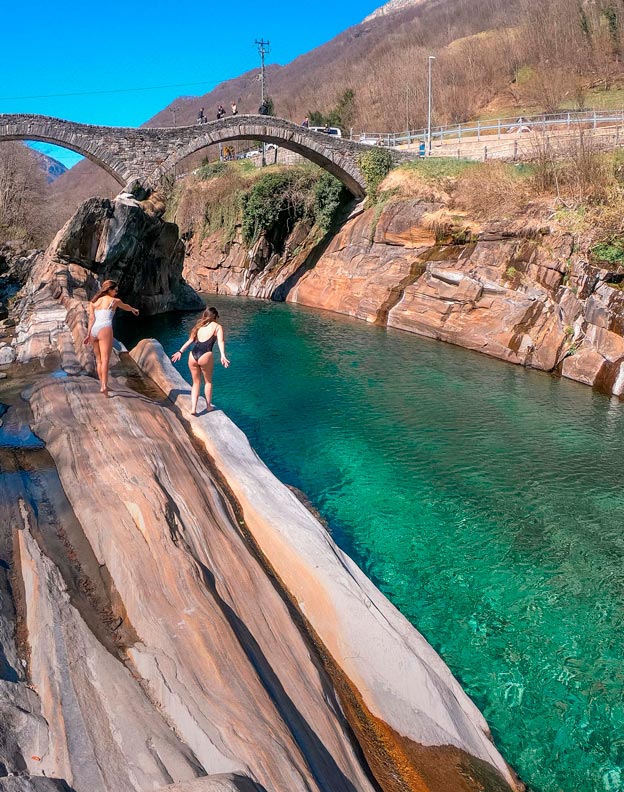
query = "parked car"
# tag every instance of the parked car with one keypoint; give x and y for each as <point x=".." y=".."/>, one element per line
<point x="368" y="141"/>
<point x="327" y="130"/>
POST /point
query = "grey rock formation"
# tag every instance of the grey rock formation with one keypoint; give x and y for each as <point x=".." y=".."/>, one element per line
<point x="125" y="240"/>
<point x="15" y="263"/>
<point x="7" y="355"/>
<point x="28" y="783"/>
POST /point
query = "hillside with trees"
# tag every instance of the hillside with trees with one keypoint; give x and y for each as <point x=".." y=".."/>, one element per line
<point x="493" y="57"/>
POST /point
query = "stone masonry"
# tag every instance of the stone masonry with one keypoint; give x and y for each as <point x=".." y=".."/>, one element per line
<point x="146" y="154"/>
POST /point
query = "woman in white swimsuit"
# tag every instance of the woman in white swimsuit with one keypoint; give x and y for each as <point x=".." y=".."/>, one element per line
<point x="100" y="333"/>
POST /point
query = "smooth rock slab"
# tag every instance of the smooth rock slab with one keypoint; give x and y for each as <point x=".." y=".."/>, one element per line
<point x="217" y="647"/>
<point x="409" y="711"/>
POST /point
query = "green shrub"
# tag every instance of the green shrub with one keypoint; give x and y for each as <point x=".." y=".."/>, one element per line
<point x="511" y="273"/>
<point x="375" y="166"/>
<point x="273" y="195"/>
<point x="610" y="251"/>
<point x="328" y="196"/>
<point x="210" y="169"/>
<point x="221" y="197"/>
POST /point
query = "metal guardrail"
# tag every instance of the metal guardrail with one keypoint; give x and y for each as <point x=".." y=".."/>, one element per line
<point x="528" y="147"/>
<point x="493" y="127"/>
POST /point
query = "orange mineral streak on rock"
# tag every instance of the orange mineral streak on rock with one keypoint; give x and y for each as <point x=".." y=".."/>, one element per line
<point x="217" y="647"/>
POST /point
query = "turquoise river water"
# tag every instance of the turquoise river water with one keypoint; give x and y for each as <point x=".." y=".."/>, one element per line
<point x="484" y="500"/>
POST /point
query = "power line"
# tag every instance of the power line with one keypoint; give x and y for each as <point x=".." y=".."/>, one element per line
<point x="113" y="90"/>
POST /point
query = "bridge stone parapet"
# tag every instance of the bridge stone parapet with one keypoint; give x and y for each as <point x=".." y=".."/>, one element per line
<point x="149" y="153"/>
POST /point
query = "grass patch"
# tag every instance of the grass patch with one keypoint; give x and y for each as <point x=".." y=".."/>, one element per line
<point x="610" y="251"/>
<point x="439" y="168"/>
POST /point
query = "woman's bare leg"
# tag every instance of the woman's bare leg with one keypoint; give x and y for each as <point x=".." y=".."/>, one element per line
<point x="195" y="388"/>
<point x="206" y="363"/>
<point x="105" y="339"/>
<point x="98" y="358"/>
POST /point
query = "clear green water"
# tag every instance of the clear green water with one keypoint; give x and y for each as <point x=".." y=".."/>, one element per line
<point x="485" y="500"/>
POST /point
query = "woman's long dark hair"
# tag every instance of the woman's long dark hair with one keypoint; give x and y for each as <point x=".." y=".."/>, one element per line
<point x="209" y="315"/>
<point x="106" y="287"/>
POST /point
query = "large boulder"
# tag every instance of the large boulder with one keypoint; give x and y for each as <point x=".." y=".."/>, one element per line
<point x="127" y="241"/>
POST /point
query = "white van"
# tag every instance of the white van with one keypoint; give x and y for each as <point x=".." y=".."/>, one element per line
<point x="327" y="130"/>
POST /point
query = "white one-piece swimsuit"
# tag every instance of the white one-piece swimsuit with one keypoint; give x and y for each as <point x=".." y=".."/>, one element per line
<point x="103" y="318"/>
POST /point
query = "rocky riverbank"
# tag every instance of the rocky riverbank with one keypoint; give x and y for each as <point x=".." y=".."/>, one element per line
<point x="525" y="291"/>
<point x="173" y="617"/>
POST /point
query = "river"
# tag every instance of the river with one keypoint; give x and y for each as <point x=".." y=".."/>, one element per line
<point x="484" y="500"/>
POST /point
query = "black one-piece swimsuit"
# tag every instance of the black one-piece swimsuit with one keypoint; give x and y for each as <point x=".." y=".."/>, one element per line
<point x="200" y="348"/>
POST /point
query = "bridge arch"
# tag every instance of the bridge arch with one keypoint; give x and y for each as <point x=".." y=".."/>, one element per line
<point x="148" y="153"/>
<point x="61" y="133"/>
<point x="335" y="155"/>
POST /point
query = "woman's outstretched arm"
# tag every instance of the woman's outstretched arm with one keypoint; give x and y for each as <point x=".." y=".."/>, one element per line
<point x="125" y="307"/>
<point x="177" y="355"/>
<point x="221" y="342"/>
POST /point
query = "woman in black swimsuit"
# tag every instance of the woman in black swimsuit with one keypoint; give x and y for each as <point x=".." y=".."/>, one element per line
<point x="201" y="360"/>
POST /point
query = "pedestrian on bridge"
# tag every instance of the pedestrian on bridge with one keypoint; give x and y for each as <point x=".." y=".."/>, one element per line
<point x="234" y="109"/>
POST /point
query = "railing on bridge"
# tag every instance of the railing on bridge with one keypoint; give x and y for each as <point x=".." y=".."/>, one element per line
<point x="495" y="127"/>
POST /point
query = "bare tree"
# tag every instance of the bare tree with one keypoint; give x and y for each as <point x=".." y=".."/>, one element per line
<point x="24" y="213"/>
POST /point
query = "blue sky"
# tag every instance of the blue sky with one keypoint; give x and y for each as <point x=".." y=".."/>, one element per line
<point x="68" y="47"/>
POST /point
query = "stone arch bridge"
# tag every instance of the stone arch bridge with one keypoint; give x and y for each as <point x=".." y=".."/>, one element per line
<point x="148" y="153"/>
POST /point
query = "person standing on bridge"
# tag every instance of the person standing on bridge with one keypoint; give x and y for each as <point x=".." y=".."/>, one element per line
<point x="202" y="339"/>
<point x="234" y="108"/>
<point x="220" y="112"/>
<point x="100" y="332"/>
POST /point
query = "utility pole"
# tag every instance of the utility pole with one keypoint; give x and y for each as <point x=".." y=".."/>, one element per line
<point x="263" y="49"/>
<point x="431" y="59"/>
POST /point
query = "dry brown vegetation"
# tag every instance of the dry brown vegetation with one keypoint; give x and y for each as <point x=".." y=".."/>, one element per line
<point x="27" y="215"/>
<point x="577" y="183"/>
<point x="535" y="53"/>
